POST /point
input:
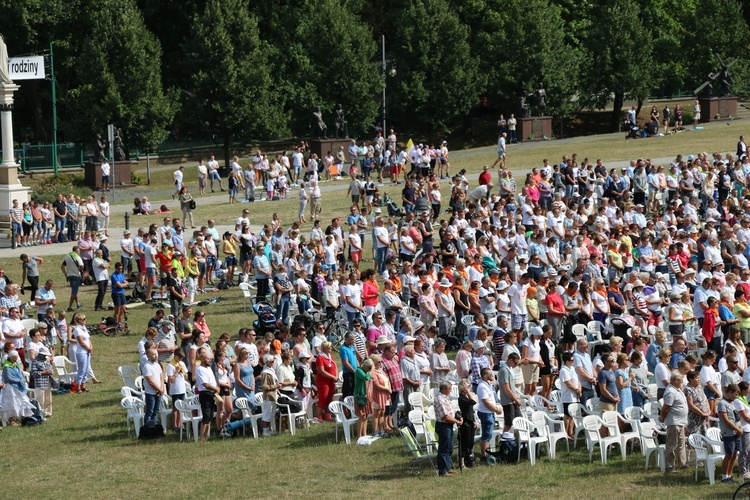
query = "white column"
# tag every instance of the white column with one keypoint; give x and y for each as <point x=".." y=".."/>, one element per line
<point x="6" y="123"/>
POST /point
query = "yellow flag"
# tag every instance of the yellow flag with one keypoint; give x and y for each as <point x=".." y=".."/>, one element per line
<point x="409" y="146"/>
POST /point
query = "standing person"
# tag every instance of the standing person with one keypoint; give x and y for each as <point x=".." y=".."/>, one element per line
<point x="153" y="387"/>
<point x="270" y="385"/>
<point x="100" y="269"/>
<point x="41" y="373"/>
<point x="674" y="414"/>
<point x="304" y="197"/>
<point x="508" y="394"/>
<point x="696" y="113"/>
<point x="127" y="247"/>
<point x="202" y="177"/>
<point x="119" y="285"/>
<point x="205" y="382"/>
<point x="585" y="370"/>
<point x="104" y="212"/>
<point x="742" y="407"/>
<point x="84" y="350"/>
<point x="326" y="376"/>
<point x="571" y="390"/>
<point x="30" y="272"/>
<point x="186" y="205"/>
<point x="72" y="266"/>
<point x="512" y="122"/>
<point x="349" y="365"/>
<point x="105" y="167"/>
<point x="363" y="395"/>
<point x="213" y="173"/>
<point x="444" y="421"/>
<point x="731" y="431"/>
<point x="262" y="268"/>
<point x="174" y="285"/>
<point x="61" y="215"/>
<point x="500" y="151"/>
<point x="45" y="299"/>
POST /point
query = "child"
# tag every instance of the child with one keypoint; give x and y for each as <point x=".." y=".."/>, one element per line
<point x="41" y="373"/>
<point x="176" y="373"/>
<point x="304" y="382"/>
<point x="270" y="186"/>
<point x="393" y="233"/>
<point x="282" y="182"/>
<point x="731" y="432"/>
<point x="62" y="332"/>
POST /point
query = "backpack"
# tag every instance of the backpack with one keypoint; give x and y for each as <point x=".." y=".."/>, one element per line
<point x="507" y="452"/>
<point x="139" y="292"/>
<point x="151" y="432"/>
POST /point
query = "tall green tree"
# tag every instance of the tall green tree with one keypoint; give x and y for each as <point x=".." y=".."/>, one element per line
<point x="438" y="78"/>
<point x="116" y="77"/>
<point x="232" y="92"/>
<point x="620" y="57"/>
<point x="324" y="56"/>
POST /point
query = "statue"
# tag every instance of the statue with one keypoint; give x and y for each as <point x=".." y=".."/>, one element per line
<point x="4" y="76"/>
<point x="118" y="146"/>
<point x="340" y="123"/>
<point x="524" y="109"/>
<point x="541" y="100"/>
<point x="722" y="76"/>
<point x="318" y="124"/>
<point x="99" y="149"/>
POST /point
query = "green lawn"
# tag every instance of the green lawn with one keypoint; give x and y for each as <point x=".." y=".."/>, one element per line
<point x="84" y="450"/>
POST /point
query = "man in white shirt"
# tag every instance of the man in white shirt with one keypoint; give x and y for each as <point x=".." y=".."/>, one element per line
<point x="128" y="251"/>
<point x="517" y="294"/>
<point x="487" y="299"/>
<point x="178" y="175"/>
<point x="202" y="177"/>
<point x="242" y="220"/>
<point x="383" y="241"/>
<point x="298" y="161"/>
<point x="213" y="173"/>
<point x="105" y="175"/>
<point x="153" y="387"/>
<point x="14" y="331"/>
<point x="104" y="215"/>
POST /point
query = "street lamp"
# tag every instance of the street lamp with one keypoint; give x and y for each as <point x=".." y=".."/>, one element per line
<point x="386" y="73"/>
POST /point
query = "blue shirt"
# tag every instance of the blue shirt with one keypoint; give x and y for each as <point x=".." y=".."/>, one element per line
<point x="651" y="352"/>
<point x="117" y="278"/>
<point x="584" y="360"/>
<point x="676" y="358"/>
<point x="348" y="353"/>
<point x="261" y="262"/>
<point x="607" y="377"/>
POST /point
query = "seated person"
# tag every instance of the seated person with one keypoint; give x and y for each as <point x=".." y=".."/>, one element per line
<point x="146" y="207"/>
<point x="651" y="127"/>
<point x="137" y="207"/>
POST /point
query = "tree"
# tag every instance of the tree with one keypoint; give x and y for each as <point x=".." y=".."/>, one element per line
<point x="438" y="78"/>
<point x="323" y="57"/>
<point x="232" y="92"/>
<point x="116" y="77"/>
<point x="621" y="58"/>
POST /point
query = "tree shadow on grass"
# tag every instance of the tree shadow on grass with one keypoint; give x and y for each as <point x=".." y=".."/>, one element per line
<point x="399" y="470"/>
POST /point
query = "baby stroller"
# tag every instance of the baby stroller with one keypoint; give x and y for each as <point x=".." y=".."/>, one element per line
<point x="394" y="210"/>
<point x="634" y="131"/>
<point x="266" y="321"/>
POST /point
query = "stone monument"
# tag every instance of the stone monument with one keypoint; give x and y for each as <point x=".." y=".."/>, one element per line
<point x="536" y="128"/>
<point x="342" y="131"/>
<point x="724" y="105"/>
<point x="10" y="187"/>
<point x="319" y="126"/>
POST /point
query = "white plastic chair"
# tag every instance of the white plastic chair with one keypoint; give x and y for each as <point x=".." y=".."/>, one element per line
<point x="65" y="370"/>
<point x="128" y="374"/>
<point x="246" y="295"/>
<point x="127" y="392"/>
<point x="612" y="419"/>
<point x="337" y="410"/>
<point x="417" y="418"/>
<point x="574" y="410"/>
<point x="190" y="417"/>
<point x="592" y="407"/>
<point x="555" y="430"/>
<point x="165" y="410"/>
<point x="649" y="444"/>
<point x="704" y="455"/>
<point x="592" y="424"/>
<point x="418" y="400"/>
<point x="135" y="412"/>
<point x="525" y="428"/>
<point x="292" y="417"/>
<point x="244" y="406"/>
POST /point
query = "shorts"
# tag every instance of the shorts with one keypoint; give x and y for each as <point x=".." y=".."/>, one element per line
<point x="151" y="272"/>
<point x="141" y="265"/>
<point x="566" y="409"/>
<point x="210" y="260"/>
<point x="119" y="299"/>
<point x="230" y="260"/>
<point x="501" y="154"/>
<point x="510" y="412"/>
<point x="607" y="406"/>
<point x="710" y="394"/>
<point x="696" y="116"/>
<point x="732" y="444"/>
<point x="16" y="226"/>
<point x="517" y="321"/>
<point x="75" y="284"/>
<point x="355" y="200"/>
<point x="214" y="175"/>
<point x="105" y="179"/>
<point x="530" y="374"/>
<point x="177" y="397"/>
<point x="356" y="256"/>
<point x="443" y="160"/>
<point x="361" y="411"/>
<point x="206" y="399"/>
<point x="487" y="424"/>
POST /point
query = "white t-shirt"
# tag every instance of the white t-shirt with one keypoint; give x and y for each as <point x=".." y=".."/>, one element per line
<point x="178" y="176"/>
<point x="100" y="272"/>
<point x="354" y="294"/>
<point x="104" y="208"/>
<point x="487" y="307"/>
<point x="127" y="244"/>
<point x="105" y="168"/>
<point x="150" y="256"/>
<point x="151" y="370"/>
<point x="202" y="170"/>
<point x="485" y="391"/>
<point x="517" y="294"/>
<point x="381" y="232"/>
<point x="662" y="373"/>
<point x="568" y="374"/>
<point x="13" y="326"/>
<point x="178" y="386"/>
<point x="204" y="375"/>
<point x="355" y="241"/>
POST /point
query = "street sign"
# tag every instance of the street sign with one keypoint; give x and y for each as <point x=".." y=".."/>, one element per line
<point x="26" y="68"/>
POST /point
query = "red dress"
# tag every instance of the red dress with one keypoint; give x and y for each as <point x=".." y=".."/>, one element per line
<point x="326" y="387"/>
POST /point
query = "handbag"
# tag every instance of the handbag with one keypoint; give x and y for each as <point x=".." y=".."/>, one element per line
<point x="192" y="204"/>
<point x="218" y="399"/>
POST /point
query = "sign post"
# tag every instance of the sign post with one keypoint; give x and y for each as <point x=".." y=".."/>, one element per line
<point x="111" y="139"/>
<point x="54" y="106"/>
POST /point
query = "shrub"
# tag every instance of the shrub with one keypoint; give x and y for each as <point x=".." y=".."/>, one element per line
<point x="66" y="184"/>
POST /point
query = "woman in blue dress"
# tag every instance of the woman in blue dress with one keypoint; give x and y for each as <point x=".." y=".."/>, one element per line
<point x="624" y="379"/>
<point x="244" y="379"/>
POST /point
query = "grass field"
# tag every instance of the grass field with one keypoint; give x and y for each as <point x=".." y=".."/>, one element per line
<point x="84" y="450"/>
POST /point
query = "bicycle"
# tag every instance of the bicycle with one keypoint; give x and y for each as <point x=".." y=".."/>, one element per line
<point x="743" y="491"/>
<point x="109" y="329"/>
<point x="335" y="322"/>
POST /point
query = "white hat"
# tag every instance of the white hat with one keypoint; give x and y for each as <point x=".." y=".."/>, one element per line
<point x="445" y="283"/>
<point x="478" y="344"/>
<point x="502" y="286"/>
<point x="408" y="338"/>
<point x="417" y="325"/>
<point x="43" y="351"/>
<point x="378" y="211"/>
<point x="637" y="283"/>
<point x="535" y="330"/>
<point x="382" y="340"/>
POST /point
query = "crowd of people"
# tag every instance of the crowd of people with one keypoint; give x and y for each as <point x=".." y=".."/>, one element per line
<point x="652" y="256"/>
